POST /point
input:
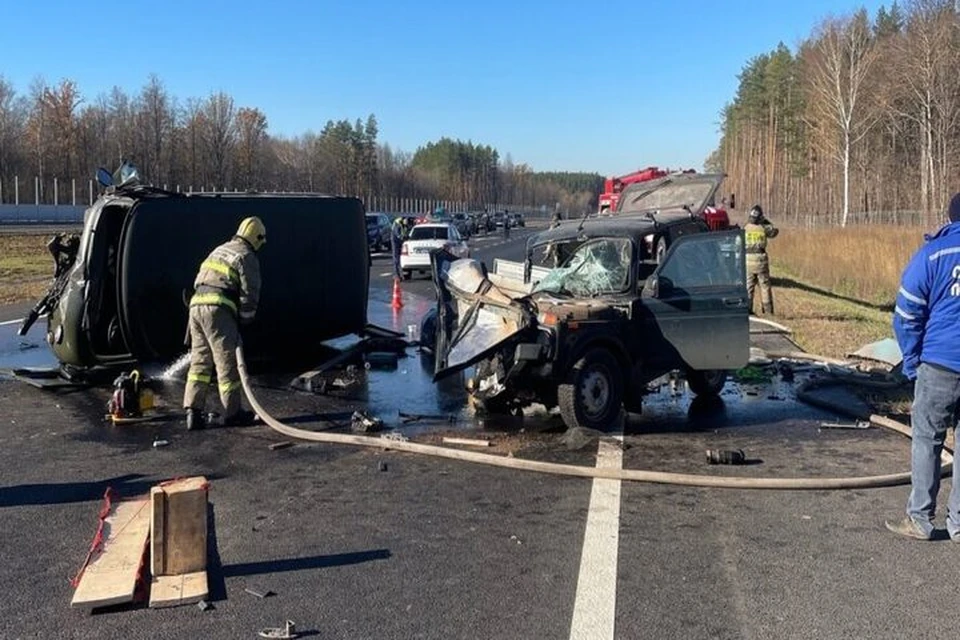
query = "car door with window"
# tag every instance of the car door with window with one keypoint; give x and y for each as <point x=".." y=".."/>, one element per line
<point x="697" y="301"/>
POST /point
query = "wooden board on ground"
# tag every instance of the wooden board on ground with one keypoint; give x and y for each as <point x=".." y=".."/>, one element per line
<point x="111" y="576"/>
<point x="178" y="532"/>
<point x="173" y="591"/>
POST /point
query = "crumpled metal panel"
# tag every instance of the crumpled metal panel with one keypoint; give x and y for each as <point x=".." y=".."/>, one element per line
<point x="475" y="316"/>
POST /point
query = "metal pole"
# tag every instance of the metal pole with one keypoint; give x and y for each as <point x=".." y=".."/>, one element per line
<point x="36" y="190"/>
<point x="73" y="191"/>
<point x="90" y="191"/>
<point x="56" y="193"/>
<point x="16" y="189"/>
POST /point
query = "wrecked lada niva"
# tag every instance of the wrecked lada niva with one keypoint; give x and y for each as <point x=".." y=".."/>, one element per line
<point x="590" y="335"/>
<point x="121" y="289"/>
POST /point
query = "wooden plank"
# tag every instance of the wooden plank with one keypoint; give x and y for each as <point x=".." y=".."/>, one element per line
<point x="469" y="442"/>
<point x="179" y="528"/>
<point x="111" y="576"/>
<point x="158" y="539"/>
<point x="173" y="591"/>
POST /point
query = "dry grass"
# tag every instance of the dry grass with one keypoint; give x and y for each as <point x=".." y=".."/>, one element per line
<point x="862" y="262"/>
<point x="25" y="268"/>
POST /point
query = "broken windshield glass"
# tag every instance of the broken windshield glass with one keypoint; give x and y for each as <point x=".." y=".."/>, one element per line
<point x="668" y="196"/>
<point x="596" y="268"/>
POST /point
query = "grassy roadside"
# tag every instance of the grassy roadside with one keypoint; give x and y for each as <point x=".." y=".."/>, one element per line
<point x="25" y="268"/>
<point x="825" y="322"/>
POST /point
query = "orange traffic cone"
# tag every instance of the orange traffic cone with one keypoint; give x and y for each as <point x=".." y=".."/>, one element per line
<point x="397" y="295"/>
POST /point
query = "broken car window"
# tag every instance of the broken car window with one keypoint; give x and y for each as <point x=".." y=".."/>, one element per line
<point x="595" y="268"/>
<point x="669" y="196"/>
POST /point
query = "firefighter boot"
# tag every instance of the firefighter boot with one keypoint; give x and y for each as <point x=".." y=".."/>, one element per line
<point x="195" y="420"/>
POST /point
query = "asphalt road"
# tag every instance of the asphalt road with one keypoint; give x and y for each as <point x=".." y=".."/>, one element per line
<point x="424" y="548"/>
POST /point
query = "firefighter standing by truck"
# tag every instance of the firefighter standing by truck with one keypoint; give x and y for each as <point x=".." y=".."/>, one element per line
<point x="756" y="232"/>
<point x="226" y="294"/>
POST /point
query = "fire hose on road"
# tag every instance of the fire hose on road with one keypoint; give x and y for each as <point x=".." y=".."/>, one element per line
<point x="633" y="475"/>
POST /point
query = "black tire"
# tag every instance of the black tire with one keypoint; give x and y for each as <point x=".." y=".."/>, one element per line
<point x="661" y="249"/>
<point x="406" y="274"/>
<point x="592" y="395"/>
<point x="706" y="383"/>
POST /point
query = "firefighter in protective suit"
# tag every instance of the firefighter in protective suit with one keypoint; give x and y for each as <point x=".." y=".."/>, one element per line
<point x="226" y="293"/>
<point x="756" y="232"/>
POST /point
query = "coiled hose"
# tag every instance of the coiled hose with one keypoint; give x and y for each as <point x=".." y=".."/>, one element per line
<point x="554" y="468"/>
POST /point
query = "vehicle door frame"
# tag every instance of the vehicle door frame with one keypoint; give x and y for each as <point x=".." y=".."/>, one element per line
<point x="695" y="326"/>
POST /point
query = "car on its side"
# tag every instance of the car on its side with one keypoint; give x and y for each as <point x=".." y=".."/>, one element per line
<point x="423" y="240"/>
<point x="120" y="295"/>
<point x="378" y="231"/>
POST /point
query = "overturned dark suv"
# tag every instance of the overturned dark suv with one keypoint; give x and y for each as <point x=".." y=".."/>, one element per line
<point x="620" y="311"/>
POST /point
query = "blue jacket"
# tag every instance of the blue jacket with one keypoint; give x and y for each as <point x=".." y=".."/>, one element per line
<point x="927" y="316"/>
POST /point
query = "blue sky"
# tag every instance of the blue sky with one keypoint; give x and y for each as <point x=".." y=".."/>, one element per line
<point x="579" y="86"/>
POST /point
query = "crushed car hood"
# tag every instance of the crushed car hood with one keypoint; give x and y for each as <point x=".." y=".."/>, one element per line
<point x="475" y="318"/>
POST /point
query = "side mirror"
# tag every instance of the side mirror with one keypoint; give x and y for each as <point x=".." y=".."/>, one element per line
<point x="104" y="177"/>
<point x="660" y="286"/>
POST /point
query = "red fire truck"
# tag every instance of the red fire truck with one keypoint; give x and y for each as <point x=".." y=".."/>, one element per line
<point x="613" y="186"/>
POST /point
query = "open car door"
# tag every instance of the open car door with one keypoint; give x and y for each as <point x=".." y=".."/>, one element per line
<point x="474" y="317"/>
<point x="697" y="300"/>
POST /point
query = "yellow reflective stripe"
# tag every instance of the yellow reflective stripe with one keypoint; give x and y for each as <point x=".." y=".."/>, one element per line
<point x="199" y="377"/>
<point x="227" y="387"/>
<point x="222" y="268"/>
<point x="755" y="237"/>
<point x="216" y="299"/>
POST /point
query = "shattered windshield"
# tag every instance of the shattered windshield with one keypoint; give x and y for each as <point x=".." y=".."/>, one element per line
<point x="672" y="195"/>
<point x="596" y="268"/>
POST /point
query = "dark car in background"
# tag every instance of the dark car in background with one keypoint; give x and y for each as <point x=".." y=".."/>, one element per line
<point x="516" y="219"/>
<point x="378" y="231"/>
<point x="466" y="225"/>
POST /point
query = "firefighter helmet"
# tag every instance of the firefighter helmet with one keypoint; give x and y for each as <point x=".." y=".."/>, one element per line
<point x="253" y="231"/>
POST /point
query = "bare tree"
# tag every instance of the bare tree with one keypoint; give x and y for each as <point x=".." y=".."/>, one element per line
<point x="844" y="55"/>
<point x="251" y="126"/>
<point x="220" y="134"/>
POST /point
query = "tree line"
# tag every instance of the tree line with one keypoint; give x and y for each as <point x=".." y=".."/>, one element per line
<point x="52" y="131"/>
<point x="862" y="118"/>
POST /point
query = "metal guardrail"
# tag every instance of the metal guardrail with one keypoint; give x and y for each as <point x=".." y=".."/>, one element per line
<point x="15" y="214"/>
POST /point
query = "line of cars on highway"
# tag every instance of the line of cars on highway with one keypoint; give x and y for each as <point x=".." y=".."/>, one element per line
<point x="435" y="231"/>
<point x="467" y="224"/>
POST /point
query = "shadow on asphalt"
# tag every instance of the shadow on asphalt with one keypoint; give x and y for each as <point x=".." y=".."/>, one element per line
<point x="301" y="564"/>
<point x="66" y="492"/>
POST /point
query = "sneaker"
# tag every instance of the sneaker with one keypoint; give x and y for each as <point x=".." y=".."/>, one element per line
<point x="242" y="418"/>
<point x="908" y="528"/>
<point x="195" y="420"/>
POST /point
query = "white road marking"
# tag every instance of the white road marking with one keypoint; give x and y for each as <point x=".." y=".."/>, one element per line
<point x="3" y="324"/>
<point x="385" y="274"/>
<point x="595" y="607"/>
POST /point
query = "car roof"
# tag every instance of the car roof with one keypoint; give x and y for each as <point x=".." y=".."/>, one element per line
<point x="624" y="225"/>
<point x="434" y="224"/>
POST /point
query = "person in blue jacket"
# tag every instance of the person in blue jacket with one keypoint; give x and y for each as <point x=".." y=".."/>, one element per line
<point x="926" y="322"/>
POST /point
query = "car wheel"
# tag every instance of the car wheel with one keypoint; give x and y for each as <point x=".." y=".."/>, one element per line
<point x="592" y="395"/>
<point x="661" y="249"/>
<point x="406" y="274"/>
<point x="706" y="383"/>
